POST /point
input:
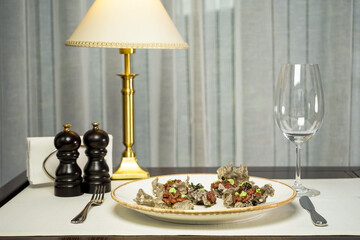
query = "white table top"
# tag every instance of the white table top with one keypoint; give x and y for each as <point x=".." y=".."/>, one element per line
<point x="37" y="212"/>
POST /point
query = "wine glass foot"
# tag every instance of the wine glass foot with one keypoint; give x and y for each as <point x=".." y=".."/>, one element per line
<point x="303" y="191"/>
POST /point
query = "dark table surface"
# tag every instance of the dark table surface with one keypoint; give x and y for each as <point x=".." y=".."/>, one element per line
<point x="15" y="186"/>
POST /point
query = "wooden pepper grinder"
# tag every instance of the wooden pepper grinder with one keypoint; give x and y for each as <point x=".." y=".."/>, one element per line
<point x="68" y="174"/>
<point x="96" y="170"/>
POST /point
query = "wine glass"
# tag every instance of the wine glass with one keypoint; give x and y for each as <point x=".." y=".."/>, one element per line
<point x="299" y="110"/>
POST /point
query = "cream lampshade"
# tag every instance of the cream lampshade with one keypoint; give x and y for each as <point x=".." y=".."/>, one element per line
<point x="127" y="25"/>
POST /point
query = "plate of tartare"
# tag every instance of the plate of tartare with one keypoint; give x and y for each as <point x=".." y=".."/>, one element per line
<point x="218" y="213"/>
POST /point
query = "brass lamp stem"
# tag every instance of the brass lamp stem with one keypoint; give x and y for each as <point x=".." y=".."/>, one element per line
<point x="127" y="61"/>
<point x="128" y="104"/>
<point x="129" y="168"/>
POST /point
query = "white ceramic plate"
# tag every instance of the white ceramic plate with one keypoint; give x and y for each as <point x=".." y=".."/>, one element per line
<point x="124" y="195"/>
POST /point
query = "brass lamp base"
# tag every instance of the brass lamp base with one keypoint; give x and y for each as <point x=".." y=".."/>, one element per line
<point x="130" y="169"/>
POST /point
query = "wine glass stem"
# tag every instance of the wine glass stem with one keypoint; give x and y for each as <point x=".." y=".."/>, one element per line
<point x="298" y="166"/>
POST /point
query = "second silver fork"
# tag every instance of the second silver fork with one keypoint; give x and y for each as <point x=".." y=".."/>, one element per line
<point x="96" y="200"/>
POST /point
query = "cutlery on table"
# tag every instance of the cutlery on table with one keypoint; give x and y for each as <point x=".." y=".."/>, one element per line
<point x="316" y="218"/>
<point x="96" y="200"/>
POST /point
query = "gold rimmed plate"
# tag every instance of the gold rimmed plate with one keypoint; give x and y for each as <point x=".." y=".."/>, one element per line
<point x="125" y="194"/>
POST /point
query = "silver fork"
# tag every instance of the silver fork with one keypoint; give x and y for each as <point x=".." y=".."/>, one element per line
<point x="96" y="200"/>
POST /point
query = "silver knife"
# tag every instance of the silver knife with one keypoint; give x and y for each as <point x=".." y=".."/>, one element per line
<point x="316" y="218"/>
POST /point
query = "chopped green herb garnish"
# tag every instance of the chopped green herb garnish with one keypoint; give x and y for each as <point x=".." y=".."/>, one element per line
<point x="197" y="186"/>
<point x="172" y="190"/>
<point x="231" y="181"/>
<point x="183" y="195"/>
<point x="258" y="190"/>
<point x="247" y="185"/>
<point x="243" y="194"/>
<point x="236" y="193"/>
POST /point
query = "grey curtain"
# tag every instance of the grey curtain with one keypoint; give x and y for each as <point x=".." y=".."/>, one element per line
<point x="205" y="106"/>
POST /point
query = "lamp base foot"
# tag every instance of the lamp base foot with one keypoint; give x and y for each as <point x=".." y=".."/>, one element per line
<point x="130" y="169"/>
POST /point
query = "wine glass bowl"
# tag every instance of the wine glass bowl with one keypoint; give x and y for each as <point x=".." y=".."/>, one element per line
<point x="299" y="110"/>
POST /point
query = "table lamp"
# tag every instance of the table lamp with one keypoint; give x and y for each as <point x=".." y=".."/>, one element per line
<point x="127" y="25"/>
